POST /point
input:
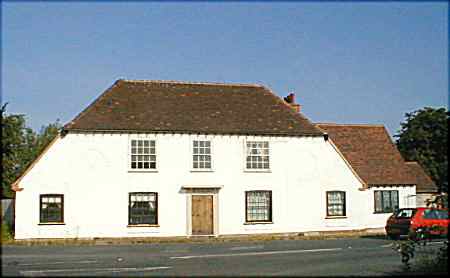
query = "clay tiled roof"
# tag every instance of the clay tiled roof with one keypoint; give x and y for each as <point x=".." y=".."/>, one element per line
<point x="371" y="153"/>
<point x="424" y="184"/>
<point x="181" y="107"/>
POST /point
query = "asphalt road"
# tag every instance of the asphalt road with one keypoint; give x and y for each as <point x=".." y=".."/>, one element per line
<point x="331" y="257"/>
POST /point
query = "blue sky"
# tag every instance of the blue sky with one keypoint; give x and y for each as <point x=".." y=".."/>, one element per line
<point x="347" y="62"/>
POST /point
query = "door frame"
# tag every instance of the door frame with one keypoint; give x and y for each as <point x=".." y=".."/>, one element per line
<point x="212" y="191"/>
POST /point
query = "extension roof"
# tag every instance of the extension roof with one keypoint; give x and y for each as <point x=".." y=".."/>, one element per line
<point x="371" y="153"/>
<point x="424" y="184"/>
<point x="185" y="107"/>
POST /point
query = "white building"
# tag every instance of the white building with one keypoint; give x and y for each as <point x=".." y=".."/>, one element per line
<point x="164" y="158"/>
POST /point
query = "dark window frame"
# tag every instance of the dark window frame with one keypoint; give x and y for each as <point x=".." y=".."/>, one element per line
<point x="130" y="194"/>
<point x="269" y="220"/>
<point x="42" y="219"/>
<point x="344" y="205"/>
<point x="392" y="208"/>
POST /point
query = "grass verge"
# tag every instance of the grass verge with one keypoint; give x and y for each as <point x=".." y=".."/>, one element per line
<point x="6" y="233"/>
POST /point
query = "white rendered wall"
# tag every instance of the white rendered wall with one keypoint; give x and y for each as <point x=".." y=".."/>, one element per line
<point x="422" y="198"/>
<point x="92" y="172"/>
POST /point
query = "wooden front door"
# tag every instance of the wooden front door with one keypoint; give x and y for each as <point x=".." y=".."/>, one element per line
<point x="202" y="215"/>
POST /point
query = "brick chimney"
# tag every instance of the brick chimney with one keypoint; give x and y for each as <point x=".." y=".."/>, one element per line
<point x="290" y="99"/>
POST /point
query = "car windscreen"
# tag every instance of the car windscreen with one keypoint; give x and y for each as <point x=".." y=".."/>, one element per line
<point x="435" y="214"/>
<point x="405" y="213"/>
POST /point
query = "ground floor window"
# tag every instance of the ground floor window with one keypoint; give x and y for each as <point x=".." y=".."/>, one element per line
<point x="258" y="206"/>
<point x="386" y="200"/>
<point x="51" y="208"/>
<point x="143" y="208"/>
<point x="335" y="203"/>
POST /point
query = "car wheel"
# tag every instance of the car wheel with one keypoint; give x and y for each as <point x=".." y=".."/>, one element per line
<point x="394" y="237"/>
<point x="418" y="235"/>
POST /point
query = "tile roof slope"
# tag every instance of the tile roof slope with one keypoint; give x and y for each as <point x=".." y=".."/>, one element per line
<point x="424" y="183"/>
<point x="370" y="152"/>
<point x="182" y="107"/>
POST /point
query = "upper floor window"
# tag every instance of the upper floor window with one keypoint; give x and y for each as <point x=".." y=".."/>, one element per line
<point x="258" y="205"/>
<point x="335" y="203"/>
<point x="143" y="154"/>
<point x="257" y="155"/>
<point x="201" y="155"/>
<point x="143" y="208"/>
<point x="51" y="208"/>
<point x="386" y="200"/>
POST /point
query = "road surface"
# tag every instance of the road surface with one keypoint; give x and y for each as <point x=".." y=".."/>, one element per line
<point x="330" y="257"/>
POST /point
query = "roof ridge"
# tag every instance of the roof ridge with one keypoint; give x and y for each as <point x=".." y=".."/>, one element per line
<point x="192" y="83"/>
<point x="353" y="125"/>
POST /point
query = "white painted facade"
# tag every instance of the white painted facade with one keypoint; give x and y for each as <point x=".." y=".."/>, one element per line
<point x="92" y="171"/>
<point x="423" y="198"/>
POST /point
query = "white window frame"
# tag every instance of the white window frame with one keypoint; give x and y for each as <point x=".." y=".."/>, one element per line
<point x="246" y="152"/>
<point x="211" y="151"/>
<point x="147" y="138"/>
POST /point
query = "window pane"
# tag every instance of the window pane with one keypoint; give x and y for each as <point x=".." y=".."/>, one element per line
<point x="140" y="150"/>
<point x="257" y="153"/>
<point x="258" y="206"/>
<point x="394" y="199"/>
<point x="336" y="203"/>
<point x="51" y="209"/>
<point x="142" y="208"/>
<point x="378" y="203"/>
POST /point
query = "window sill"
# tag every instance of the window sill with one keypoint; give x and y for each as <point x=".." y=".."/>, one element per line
<point x="52" y="223"/>
<point x="336" y="217"/>
<point x="143" y="171"/>
<point x="201" y="170"/>
<point x="258" y="223"/>
<point x="257" y="171"/>
<point x="143" y="225"/>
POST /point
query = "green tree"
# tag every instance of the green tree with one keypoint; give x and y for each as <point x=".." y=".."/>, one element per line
<point x="423" y="138"/>
<point x="20" y="146"/>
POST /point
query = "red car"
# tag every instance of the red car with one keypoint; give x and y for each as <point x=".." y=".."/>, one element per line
<point x="413" y="222"/>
